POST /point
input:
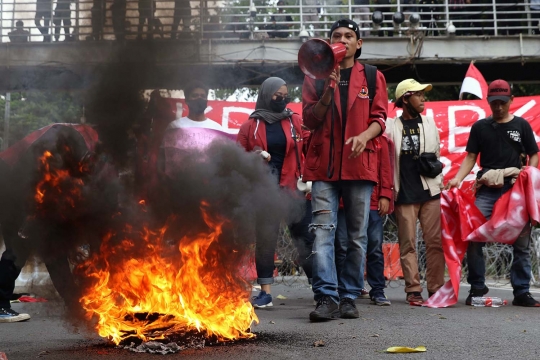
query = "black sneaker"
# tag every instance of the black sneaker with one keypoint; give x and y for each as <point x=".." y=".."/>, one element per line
<point x="347" y="309"/>
<point x="326" y="309"/>
<point x="525" y="300"/>
<point x="475" y="293"/>
<point x="8" y="315"/>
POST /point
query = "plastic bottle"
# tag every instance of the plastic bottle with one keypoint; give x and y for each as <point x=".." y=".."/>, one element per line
<point x="488" y="301"/>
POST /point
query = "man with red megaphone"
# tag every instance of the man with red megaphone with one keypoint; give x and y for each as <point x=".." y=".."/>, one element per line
<point x="342" y="162"/>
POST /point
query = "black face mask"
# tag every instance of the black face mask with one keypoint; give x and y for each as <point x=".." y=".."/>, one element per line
<point x="197" y="106"/>
<point x="278" y="106"/>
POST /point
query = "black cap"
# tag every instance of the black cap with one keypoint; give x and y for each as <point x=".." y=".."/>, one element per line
<point x="349" y="24"/>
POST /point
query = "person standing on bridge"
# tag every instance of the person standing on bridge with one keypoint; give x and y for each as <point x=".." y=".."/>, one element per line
<point x="503" y="141"/>
<point x="62" y="15"/>
<point x="417" y="195"/>
<point x="182" y="12"/>
<point x="43" y="11"/>
<point x="342" y="163"/>
<point x="147" y="10"/>
<point x="118" y="12"/>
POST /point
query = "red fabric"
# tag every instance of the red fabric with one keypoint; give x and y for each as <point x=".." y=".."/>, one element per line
<point x="459" y="217"/>
<point x="31" y="299"/>
<point x="453" y="119"/>
<point x="513" y="210"/>
<point x="11" y="155"/>
<point x="461" y="221"/>
<point x="385" y="185"/>
<point x="252" y="137"/>
<point x="359" y="118"/>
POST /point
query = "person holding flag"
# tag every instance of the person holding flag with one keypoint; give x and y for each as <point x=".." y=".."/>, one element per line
<point x="501" y="140"/>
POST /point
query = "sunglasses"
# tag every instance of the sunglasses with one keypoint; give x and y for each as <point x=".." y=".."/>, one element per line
<point x="280" y="98"/>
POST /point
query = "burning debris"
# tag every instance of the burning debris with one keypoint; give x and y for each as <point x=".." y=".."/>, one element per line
<point x="167" y="286"/>
<point x="150" y="286"/>
<point x="161" y="270"/>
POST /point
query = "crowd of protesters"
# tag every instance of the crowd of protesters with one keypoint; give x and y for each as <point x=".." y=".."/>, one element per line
<point x="468" y="19"/>
<point x="351" y="165"/>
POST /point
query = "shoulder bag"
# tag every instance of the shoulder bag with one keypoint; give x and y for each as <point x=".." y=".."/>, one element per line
<point x="427" y="162"/>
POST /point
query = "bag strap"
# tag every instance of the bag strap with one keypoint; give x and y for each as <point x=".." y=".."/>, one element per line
<point x="371" y="78"/>
<point x="519" y="149"/>
<point x="294" y="136"/>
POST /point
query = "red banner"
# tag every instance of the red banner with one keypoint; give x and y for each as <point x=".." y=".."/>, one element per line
<point x="461" y="221"/>
<point x="453" y="118"/>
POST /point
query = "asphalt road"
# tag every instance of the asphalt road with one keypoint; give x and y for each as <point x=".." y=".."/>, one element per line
<point x="284" y="332"/>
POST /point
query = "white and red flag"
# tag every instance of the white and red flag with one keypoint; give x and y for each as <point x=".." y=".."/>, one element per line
<point x="474" y="83"/>
<point x="461" y="222"/>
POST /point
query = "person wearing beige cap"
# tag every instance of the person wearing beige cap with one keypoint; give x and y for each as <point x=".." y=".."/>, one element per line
<point x="416" y="193"/>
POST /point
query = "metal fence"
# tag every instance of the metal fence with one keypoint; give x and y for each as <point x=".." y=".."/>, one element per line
<point x="498" y="258"/>
<point x="81" y="20"/>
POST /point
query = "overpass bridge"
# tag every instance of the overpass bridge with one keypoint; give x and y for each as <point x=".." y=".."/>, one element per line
<point x="233" y="46"/>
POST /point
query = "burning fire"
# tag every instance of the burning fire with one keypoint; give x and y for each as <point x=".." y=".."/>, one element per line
<point x="57" y="184"/>
<point x="164" y="288"/>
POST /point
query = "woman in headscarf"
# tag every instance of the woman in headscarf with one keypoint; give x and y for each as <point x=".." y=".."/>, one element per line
<point x="276" y="133"/>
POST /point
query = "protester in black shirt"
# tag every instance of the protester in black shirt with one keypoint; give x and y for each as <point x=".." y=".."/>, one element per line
<point x="500" y="140"/>
<point x="417" y="196"/>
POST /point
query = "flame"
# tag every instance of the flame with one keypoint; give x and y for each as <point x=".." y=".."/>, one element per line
<point x="165" y="289"/>
<point x="57" y="184"/>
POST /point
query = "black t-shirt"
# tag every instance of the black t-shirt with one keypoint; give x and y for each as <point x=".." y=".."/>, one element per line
<point x="411" y="190"/>
<point x="344" y="78"/>
<point x="277" y="146"/>
<point x="495" y="152"/>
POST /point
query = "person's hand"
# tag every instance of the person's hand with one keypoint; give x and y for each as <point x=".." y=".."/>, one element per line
<point x="359" y="143"/>
<point x="452" y="183"/>
<point x="384" y="206"/>
<point x="334" y="76"/>
<point x="264" y="154"/>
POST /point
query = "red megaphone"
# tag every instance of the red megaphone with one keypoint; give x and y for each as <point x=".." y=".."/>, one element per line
<point x="317" y="58"/>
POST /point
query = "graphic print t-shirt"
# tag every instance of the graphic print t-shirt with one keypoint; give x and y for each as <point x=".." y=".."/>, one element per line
<point x="495" y="152"/>
<point x="411" y="190"/>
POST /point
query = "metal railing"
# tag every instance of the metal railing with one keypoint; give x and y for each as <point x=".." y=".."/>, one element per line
<point x="95" y="20"/>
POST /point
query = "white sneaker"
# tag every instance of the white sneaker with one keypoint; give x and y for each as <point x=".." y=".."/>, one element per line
<point x="8" y="315"/>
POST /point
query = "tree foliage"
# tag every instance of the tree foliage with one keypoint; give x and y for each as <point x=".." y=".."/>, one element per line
<point x="33" y="110"/>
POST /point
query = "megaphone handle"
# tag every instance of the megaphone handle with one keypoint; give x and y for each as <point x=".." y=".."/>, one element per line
<point x="332" y="83"/>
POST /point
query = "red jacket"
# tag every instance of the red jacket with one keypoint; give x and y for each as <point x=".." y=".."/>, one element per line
<point x="252" y="135"/>
<point x="359" y="118"/>
<point x="385" y="185"/>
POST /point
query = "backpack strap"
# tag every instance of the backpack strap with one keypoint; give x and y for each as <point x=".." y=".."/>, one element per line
<point x="371" y="78"/>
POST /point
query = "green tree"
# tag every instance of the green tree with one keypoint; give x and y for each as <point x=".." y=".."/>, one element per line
<point x="33" y="110"/>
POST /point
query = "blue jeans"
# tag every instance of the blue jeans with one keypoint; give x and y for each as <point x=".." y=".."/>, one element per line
<point x="325" y="201"/>
<point x="375" y="257"/>
<point x="520" y="273"/>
